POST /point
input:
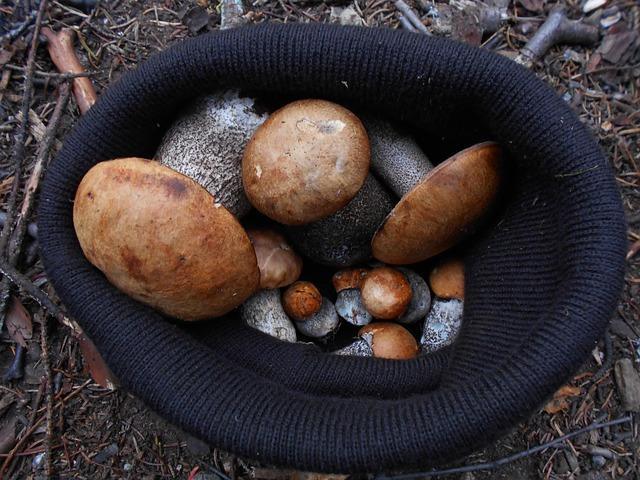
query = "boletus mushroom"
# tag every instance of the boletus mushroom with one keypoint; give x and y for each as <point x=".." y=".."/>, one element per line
<point x="420" y="297"/>
<point x="163" y="239"/>
<point x="447" y="279"/>
<point x="442" y="208"/>
<point x="279" y="265"/>
<point x="442" y="324"/>
<point x="314" y="315"/>
<point x="349" y="300"/>
<point x="386" y="293"/>
<point x="263" y="311"/>
<point x="391" y="341"/>
<point x="305" y="162"/>
<point x="207" y="141"/>
<point x="360" y="347"/>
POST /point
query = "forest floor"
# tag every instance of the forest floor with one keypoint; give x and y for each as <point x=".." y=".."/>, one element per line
<point x="95" y="432"/>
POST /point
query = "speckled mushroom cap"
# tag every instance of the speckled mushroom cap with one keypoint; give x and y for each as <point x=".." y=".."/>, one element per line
<point x="562" y="231"/>
<point x="443" y="208"/>
<point x="152" y="231"/>
<point x="307" y="161"/>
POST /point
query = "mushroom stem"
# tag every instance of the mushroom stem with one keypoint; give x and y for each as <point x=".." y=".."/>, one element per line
<point x="359" y="348"/>
<point x="395" y="156"/>
<point x="556" y="29"/>
<point x="64" y="57"/>
<point x="16" y="369"/>
<point x="411" y="16"/>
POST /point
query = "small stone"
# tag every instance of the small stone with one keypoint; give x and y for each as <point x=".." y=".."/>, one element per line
<point x="127" y="467"/>
<point x="610" y="20"/>
<point x="442" y="324"/>
<point x="346" y="16"/>
<point x="106" y="453"/>
<point x="628" y="382"/>
<point x="349" y="306"/>
<point x="591" y="5"/>
<point x="598" y="461"/>
<point x="38" y="461"/>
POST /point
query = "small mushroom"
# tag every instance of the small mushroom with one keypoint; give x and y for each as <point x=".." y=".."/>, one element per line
<point x="361" y="347"/>
<point x="263" y="311"/>
<point x="305" y="162"/>
<point x="162" y="239"/>
<point x="349" y="300"/>
<point x="344" y="238"/>
<point x="301" y="300"/>
<point x="321" y="323"/>
<point x="391" y="341"/>
<point x="386" y="293"/>
<point x="420" y="298"/>
<point x="447" y="279"/>
<point x="207" y="141"/>
<point x="442" y="324"/>
<point x="442" y="208"/>
<point x="279" y="265"/>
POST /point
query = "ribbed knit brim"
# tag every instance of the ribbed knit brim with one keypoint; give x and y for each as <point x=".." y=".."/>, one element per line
<point x="540" y="285"/>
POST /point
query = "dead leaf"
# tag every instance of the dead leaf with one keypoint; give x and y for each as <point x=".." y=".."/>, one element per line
<point x="8" y="436"/>
<point x="95" y="365"/>
<point x="615" y="45"/>
<point x="560" y="401"/>
<point x="18" y="322"/>
<point x="532" y="5"/>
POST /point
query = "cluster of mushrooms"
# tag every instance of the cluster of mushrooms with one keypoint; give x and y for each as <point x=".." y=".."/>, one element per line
<point x="311" y="179"/>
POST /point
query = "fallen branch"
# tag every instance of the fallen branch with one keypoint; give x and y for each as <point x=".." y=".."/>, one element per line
<point x="556" y="29"/>
<point x="21" y="137"/>
<point x="508" y="459"/>
<point x="63" y="55"/>
<point x="44" y="345"/>
<point x="410" y="16"/>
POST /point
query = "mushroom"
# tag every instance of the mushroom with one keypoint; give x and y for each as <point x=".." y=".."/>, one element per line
<point x="386" y="293"/>
<point x="390" y="340"/>
<point x="207" y="141"/>
<point x="263" y="311"/>
<point x="442" y="324"/>
<point x="279" y="265"/>
<point x="349" y="300"/>
<point x="420" y="297"/>
<point x="447" y="279"/>
<point x="361" y="347"/>
<point x="305" y="162"/>
<point x="314" y="315"/>
<point x="162" y="239"/>
<point x="442" y="208"/>
<point x="344" y="238"/>
<point x="301" y="300"/>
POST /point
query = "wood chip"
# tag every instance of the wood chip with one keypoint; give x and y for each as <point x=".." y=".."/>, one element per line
<point x="628" y="382"/>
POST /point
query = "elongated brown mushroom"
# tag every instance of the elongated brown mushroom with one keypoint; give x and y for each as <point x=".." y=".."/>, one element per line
<point x="442" y="208"/>
<point x="161" y="238"/>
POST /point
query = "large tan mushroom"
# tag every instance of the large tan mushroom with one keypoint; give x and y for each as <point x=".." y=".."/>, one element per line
<point x="442" y="208"/>
<point x="305" y="162"/>
<point x="162" y="239"/>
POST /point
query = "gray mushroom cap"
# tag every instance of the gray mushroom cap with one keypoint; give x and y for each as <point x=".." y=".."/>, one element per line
<point x="263" y="311"/>
<point x="321" y="323"/>
<point x="350" y="307"/>
<point x="442" y="324"/>
<point x="207" y="141"/>
<point x="396" y="158"/>
<point x="420" y="300"/>
<point x="344" y="238"/>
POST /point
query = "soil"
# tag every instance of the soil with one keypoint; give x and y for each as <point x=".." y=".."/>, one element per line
<point x="96" y="432"/>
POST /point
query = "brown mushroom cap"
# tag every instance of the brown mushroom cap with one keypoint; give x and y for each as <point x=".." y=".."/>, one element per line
<point x="447" y="279"/>
<point x="161" y="238"/>
<point x="386" y="293"/>
<point x="279" y="265"/>
<point x="348" y="278"/>
<point x="441" y="209"/>
<point x="301" y="300"/>
<point x="307" y="161"/>
<point x="391" y="341"/>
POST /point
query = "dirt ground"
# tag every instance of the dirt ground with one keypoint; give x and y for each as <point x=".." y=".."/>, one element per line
<point x="94" y="432"/>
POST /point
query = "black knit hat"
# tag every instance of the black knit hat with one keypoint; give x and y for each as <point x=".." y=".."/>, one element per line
<point x="541" y="284"/>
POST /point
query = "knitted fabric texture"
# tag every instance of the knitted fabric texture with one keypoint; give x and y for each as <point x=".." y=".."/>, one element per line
<point x="541" y="284"/>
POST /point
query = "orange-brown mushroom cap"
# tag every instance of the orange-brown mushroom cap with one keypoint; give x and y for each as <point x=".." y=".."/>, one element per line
<point x="348" y="278"/>
<point x="447" y="279"/>
<point x="442" y="208"/>
<point x="391" y="341"/>
<point x="386" y="293"/>
<point x="306" y="162"/>
<point x="162" y="239"/>
<point x="301" y="300"/>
